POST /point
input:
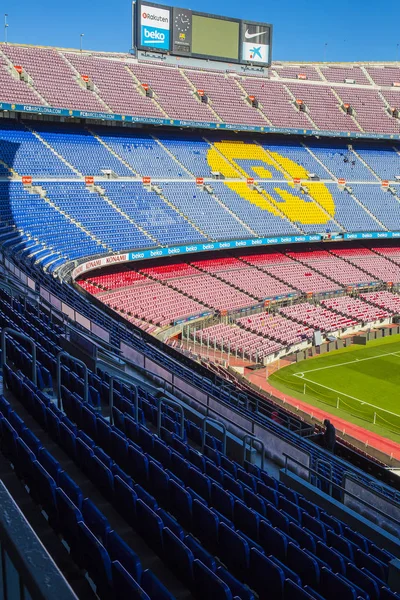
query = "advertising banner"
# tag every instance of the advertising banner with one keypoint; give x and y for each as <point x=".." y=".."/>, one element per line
<point x="256" y="43"/>
<point x="154" y="27"/>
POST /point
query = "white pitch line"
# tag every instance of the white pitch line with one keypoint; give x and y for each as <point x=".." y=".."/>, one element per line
<point x="350" y="362"/>
<point x="348" y="396"/>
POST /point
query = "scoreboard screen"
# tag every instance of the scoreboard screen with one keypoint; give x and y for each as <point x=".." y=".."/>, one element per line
<point x="183" y="32"/>
<point x="215" y="37"/>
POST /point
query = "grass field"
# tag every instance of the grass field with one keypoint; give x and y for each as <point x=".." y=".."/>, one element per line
<point x="360" y="384"/>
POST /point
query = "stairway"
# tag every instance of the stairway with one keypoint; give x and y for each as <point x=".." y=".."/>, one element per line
<point x="42" y="192"/>
<point x="158" y="191"/>
<point x="194" y="92"/>
<point x="101" y="141"/>
<point x="307" y="114"/>
<point x="39" y="137"/>
<point x="334" y="92"/>
<point x="101" y="192"/>
<point x="30" y="83"/>
<point x="259" y="108"/>
<point x="80" y="82"/>
<point x="140" y="90"/>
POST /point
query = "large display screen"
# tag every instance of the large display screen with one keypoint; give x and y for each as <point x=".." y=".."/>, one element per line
<point x="215" y="37"/>
<point x="182" y="32"/>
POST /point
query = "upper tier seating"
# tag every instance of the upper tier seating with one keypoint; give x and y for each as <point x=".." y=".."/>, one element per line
<point x="56" y="79"/>
<point x="52" y="78"/>
<point x="115" y="85"/>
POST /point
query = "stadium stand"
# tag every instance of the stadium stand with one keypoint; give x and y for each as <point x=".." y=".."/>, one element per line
<point x="147" y="503"/>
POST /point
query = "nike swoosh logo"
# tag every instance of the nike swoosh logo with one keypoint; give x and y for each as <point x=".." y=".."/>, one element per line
<point x="249" y="36"/>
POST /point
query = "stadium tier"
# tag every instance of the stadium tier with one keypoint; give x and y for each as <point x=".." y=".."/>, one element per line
<point x="173" y="207"/>
<point x="335" y="97"/>
<point x="128" y="412"/>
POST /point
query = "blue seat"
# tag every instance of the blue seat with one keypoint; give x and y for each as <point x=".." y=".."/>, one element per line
<point x="149" y="525"/>
<point x="199" y="552"/>
<point x="69" y="516"/>
<point x="246" y="519"/>
<point x="290" y="508"/>
<point x="268" y="493"/>
<point x="103" y="433"/>
<point x="95" y="520"/>
<point x="179" y="465"/>
<point x="333" y="523"/>
<point x="331" y="557"/>
<point x="158" y="480"/>
<point x="95" y="559"/>
<point x="125" y="499"/>
<point x="246" y="478"/>
<point x="31" y="440"/>
<point x="120" y="551"/>
<point x="89" y="422"/>
<point x="273" y="541"/>
<point x="144" y="495"/>
<point x="334" y="587"/>
<point x="362" y="580"/>
<point x="340" y="544"/>
<point x="237" y="588"/>
<point x="233" y="550"/>
<point x="138" y="464"/>
<point x="101" y="476"/>
<point x="222" y="500"/>
<point x="266" y="578"/>
<point x="205" y="525"/>
<point x="67" y="440"/>
<point x="44" y="490"/>
<point x="213" y="471"/>
<point x="200" y="483"/>
<point x="379" y="553"/>
<point x="287" y="571"/>
<point x="146" y="439"/>
<point x="9" y="441"/>
<point x="84" y="456"/>
<point x="295" y="592"/>
<point x="154" y="588"/>
<point x="162" y="453"/>
<point x="178" y="556"/>
<point x="180" y="502"/>
<point x="375" y="566"/>
<point x="311" y="508"/>
<point x="233" y="486"/>
<point x="305" y="539"/>
<point x="124" y="586"/>
<point x="119" y="448"/>
<point x="387" y="594"/>
<point x="254" y="501"/>
<point x="208" y="584"/>
<point x="277" y="518"/>
<point x="302" y="563"/>
<point x="5" y="406"/>
<point x="53" y="424"/>
<point x="71" y="489"/>
<point x="51" y="465"/>
<point x="103" y="456"/>
<point x="23" y="460"/>
<point x="314" y="526"/>
<point x="170" y="522"/>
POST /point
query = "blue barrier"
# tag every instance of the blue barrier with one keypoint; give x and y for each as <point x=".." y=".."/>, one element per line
<point x="84" y="114"/>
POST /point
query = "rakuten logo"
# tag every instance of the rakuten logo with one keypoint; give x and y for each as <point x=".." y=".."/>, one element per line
<point x="153" y="17"/>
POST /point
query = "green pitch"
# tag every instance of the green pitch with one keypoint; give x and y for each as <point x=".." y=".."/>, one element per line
<point x="360" y="384"/>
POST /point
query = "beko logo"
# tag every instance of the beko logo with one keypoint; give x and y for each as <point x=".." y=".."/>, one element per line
<point x="250" y="36"/>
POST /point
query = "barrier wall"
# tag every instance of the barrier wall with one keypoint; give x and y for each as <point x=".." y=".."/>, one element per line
<point x="84" y="114"/>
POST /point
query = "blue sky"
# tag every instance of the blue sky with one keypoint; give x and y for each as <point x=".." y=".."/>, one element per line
<point x="359" y="30"/>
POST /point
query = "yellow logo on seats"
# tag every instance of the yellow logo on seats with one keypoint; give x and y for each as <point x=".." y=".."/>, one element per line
<point x="228" y="158"/>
